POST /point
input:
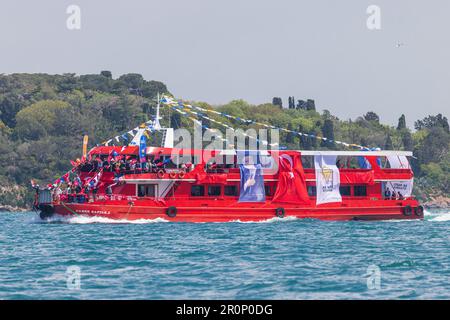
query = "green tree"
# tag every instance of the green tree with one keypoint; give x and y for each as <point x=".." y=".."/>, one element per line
<point x="328" y="132"/>
<point x="388" y="144"/>
<point x="38" y="119"/>
<point x="276" y="101"/>
<point x="431" y="122"/>
<point x="106" y="74"/>
<point x="401" y="123"/>
<point x="372" y="116"/>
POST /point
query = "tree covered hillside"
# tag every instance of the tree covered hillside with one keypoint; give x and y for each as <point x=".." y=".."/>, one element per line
<point x="43" y="118"/>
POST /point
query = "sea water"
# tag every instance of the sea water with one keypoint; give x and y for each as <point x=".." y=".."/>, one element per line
<point x="96" y="258"/>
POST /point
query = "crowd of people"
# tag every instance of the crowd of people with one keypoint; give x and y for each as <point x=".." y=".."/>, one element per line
<point x="72" y="189"/>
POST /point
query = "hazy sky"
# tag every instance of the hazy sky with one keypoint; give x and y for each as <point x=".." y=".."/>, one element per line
<point x="216" y="51"/>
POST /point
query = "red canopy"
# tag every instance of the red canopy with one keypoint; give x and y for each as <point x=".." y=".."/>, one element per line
<point x="130" y="150"/>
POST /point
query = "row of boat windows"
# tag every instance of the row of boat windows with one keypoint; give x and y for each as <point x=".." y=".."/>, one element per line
<point x="358" y="191"/>
<point x="199" y="191"/>
<point x="149" y="190"/>
<point x="216" y="190"/>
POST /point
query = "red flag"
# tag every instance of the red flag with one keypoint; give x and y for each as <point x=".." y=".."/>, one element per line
<point x="291" y="186"/>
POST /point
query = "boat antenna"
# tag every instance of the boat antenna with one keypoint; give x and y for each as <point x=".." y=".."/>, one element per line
<point x="156" y="124"/>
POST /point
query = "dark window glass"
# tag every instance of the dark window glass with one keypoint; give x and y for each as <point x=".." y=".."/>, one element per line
<point x="268" y="191"/>
<point x="146" y="190"/>
<point x="360" y="191"/>
<point x="213" y="190"/>
<point x="312" y="191"/>
<point x="197" y="191"/>
<point x="230" y="190"/>
<point x="141" y="190"/>
<point x="345" y="190"/>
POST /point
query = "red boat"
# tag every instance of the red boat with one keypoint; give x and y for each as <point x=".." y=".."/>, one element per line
<point x="212" y="193"/>
<point x="135" y="182"/>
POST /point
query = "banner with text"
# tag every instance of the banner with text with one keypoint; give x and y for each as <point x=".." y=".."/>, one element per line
<point x="327" y="179"/>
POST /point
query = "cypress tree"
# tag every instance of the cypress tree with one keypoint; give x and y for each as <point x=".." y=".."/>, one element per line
<point x="407" y="140"/>
<point x="401" y="122"/>
<point x="328" y="132"/>
<point x="388" y="144"/>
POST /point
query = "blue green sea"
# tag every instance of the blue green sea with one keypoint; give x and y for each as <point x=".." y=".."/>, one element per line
<point x="95" y="258"/>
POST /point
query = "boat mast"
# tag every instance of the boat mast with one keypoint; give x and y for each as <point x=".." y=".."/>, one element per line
<point x="156" y="123"/>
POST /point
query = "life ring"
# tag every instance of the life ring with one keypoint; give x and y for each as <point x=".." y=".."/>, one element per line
<point x="160" y="173"/>
<point x="407" y="211"/>
<point x="279" y="212"/>
<point x="172" y="174"/>
<point x="171" y="212"/>
<point x="181" y="174"/>
<point x="418" y="211"/>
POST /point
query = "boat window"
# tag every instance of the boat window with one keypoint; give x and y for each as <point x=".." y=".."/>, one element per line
<point x="146" y="190"/>
<point x="360" y="191"/>
<point x="345" y="190"/>
<point x="230" y="191"/>
<point x="308" y="162"/>
<point x="312" y="191"/>
<point x="268" y="190"/>
<point x="214" y="190"/>
<point x="197" y="191"/>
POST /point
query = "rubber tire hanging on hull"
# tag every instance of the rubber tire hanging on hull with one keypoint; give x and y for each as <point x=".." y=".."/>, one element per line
<point x="279" y="212"/>
<point x="418" y="211"/>
<point x="407" y="211"/>
<point x="171" y="212"/>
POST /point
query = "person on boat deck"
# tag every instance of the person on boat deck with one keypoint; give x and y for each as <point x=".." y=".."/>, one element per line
<point x="153" y="166"/>
<point x="122" y="165"/>
<point x="394" y="195"/>
<point x="144" y="166"/>
<point x="132" y="165"/>
<point x="127" y="165"/>
<point x="109" y="190"/>
<point x="160" y="164"/>
<point x="157" y="162"/>
<point x="105" y="164"/>
<point x="57" y="194"/>
<point x="400" y="196"/>
<point x="94" y="192"/>
<point x="387" y="194"/>
<point x="77" y="188"/>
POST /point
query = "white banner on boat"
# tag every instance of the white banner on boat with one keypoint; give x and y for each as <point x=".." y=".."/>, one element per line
<point x="401" y="188"/>
<point x="327" y="179"/>
<point x="398" y="162"/>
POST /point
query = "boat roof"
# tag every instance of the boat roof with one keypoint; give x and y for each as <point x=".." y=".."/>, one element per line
<point x="134" y="150"/>
<point x="131" y="150"/>
<point x="380" y="153"/>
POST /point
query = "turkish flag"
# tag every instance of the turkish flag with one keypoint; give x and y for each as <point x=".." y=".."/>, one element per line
<point x="291" y="186"/>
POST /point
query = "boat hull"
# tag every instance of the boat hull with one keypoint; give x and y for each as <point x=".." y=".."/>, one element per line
<point x="191" y="212"/>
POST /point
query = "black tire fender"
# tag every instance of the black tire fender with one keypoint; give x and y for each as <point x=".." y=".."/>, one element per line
<point x="171" y="212"/>
<point x="418" y="211"/>
<point x="407" y="211"/>
<point x="279" y="212"/>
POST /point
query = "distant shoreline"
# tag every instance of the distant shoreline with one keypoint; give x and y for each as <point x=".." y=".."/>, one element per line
<point x="8" y="208"/>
